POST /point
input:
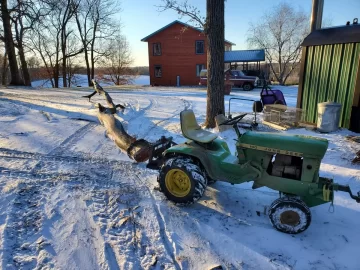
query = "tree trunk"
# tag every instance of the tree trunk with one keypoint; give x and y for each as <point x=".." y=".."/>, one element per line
<point x="56" y="75"/>
<point x="64" y="71"/>
<point x="9" y="45"/>
<point x="88" y="68"/>
<point x="139" y="150"/>
<point x="84" y="42"/>
<point x="56" y="71"/>
<point x="63" y="51"/>
<point x="92" y="60"/>
<point x="214" y="30"/>
<point x="4" y="70"/>
<point x="24" y="67"/>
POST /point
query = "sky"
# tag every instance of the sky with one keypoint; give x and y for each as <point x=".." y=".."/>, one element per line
<point x="141" y="17"/>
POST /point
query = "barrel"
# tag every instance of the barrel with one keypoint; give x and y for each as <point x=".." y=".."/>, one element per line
<point x="328" y="116"/>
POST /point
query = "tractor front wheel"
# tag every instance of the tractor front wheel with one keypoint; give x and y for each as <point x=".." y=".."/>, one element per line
<point x="182" y="180"/>
<point x="290" y="215"/>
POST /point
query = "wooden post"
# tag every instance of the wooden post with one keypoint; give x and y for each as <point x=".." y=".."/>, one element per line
<point x="301" y="77"/>
<point x="356" y="99"/>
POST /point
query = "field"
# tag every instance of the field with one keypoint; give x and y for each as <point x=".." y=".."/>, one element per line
<point x="71" y="200"/>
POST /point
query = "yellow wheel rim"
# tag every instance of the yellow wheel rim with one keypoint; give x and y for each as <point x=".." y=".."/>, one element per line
<point x="177" y="183"/>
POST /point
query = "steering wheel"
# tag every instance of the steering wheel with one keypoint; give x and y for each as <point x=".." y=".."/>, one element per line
<point x="234" y="120"/>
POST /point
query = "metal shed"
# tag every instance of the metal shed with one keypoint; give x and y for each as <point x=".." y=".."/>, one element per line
<point x="330" y="72"/>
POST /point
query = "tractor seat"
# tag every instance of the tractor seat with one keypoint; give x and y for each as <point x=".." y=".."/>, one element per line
<point x="192" y="131"/>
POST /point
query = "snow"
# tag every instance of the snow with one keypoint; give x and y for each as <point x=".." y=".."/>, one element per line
<point x="71" y="200"/>
<point x="80" y="80"/>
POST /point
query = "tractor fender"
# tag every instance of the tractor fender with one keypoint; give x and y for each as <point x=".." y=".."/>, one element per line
<point x="216" y="167"/>
<point x="193" y="152"/>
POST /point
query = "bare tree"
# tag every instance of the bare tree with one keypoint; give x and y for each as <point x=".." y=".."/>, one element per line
<point x="52" y="40"/>
<point x="213" y="26"/>
<point x="33" y="62"/>
<point x="45" y="44"/>
<point x="94" y="22"/>
<point x="67" y="14"/>
<point x="280" y="32"/>
<point x="117" y="62"/>
<point x="25" y="14"/>
<point x="4" y="68"/>
<point x="9" y="44"/>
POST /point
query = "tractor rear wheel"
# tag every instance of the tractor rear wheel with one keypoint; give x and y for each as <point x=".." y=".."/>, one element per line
<point x="182" y="180"/>
<point x="290" y="215"/>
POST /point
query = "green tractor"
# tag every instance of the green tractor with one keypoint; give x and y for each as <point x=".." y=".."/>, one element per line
<point x="289" y="164"/>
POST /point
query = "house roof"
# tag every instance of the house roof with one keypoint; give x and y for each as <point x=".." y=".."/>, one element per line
<point x="184" y="24"/>
<point x="333" y="35"/>
<point x="244" y="56"/>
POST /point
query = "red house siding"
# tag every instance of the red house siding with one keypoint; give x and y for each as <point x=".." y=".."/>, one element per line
<point x="178" y="57"/>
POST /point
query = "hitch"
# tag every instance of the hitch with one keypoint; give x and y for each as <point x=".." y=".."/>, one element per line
<point x="157" y="149"/>
<point x="338" y="187"/>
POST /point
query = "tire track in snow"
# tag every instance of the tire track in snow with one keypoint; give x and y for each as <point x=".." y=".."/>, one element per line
<point x="73" y="226"/>
<point x="116" y="210"/>
<point x="15" y="154"/>
<point x="186" y="105"/>
<point x="72" y="139"/>
<point x="24" y="245"/>
<point x="67" y="144"/>
<point x="167" y="241"/>
<point x="122" y="214"/>
<point x="113" y="210"/>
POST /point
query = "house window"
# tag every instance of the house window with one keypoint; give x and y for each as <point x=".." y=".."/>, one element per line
<point x="199" y="67"/>
<point x="199" y="47"/>
<point x="158" y="71"/>
<point x="156" y="49"/>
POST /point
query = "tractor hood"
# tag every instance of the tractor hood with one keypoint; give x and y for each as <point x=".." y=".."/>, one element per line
<point x="294" y="145"/>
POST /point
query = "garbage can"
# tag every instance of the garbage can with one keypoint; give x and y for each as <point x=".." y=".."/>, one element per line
<point x="328" y="116"/>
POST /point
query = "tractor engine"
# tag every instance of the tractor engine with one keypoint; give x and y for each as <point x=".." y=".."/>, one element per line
<point x="286" y="166"/>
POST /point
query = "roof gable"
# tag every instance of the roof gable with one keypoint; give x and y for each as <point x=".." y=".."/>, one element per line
<point x="183" y="24"/>
<point x="333" y="35"/>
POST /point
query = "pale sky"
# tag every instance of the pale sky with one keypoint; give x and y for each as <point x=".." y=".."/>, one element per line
<point x="141" y="18"/>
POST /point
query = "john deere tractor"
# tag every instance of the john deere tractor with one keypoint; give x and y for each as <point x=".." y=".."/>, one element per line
<point x="288" y="164"/>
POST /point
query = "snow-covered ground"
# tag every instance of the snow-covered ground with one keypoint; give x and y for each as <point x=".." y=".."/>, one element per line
<point x="71" y="200"/>
<point x="80" y="80"/>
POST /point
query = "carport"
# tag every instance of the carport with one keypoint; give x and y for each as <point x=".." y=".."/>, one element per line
<point x="247" y="60"/>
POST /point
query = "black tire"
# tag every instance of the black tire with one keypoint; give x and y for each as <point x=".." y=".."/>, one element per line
<point x="257" y="106"/>
<point x="290" y="215"/>
<point x="195" y="174"/>
<point x="211" y="182"/>
<point x="248" y="87"/>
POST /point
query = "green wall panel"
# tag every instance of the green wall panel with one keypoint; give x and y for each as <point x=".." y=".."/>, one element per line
<point x="330" y="75"/>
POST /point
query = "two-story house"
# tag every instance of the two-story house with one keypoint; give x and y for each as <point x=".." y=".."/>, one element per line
<point x="177" y="54"/>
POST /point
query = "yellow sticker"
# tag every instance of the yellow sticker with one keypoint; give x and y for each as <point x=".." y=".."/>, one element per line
<point x="271" y="150"/>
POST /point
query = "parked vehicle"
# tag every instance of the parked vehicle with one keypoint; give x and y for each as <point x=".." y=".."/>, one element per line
<point x="237" y="77"/>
